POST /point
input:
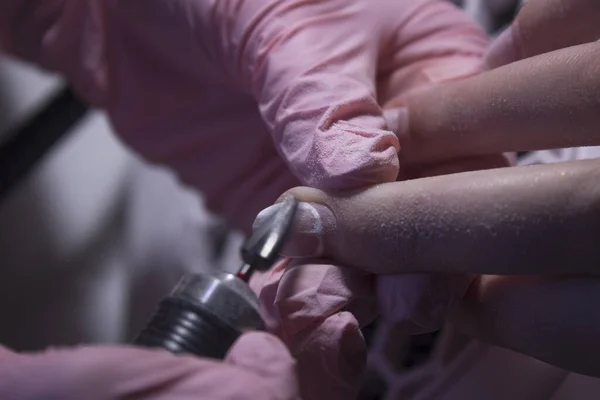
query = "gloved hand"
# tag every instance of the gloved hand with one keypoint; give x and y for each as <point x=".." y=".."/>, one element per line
<point x="532" y="232"/>
<point x="246" y="99"/>
<point x="258" y="366"/>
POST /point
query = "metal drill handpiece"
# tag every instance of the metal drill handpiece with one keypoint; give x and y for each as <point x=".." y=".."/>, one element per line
<point x="262" y="249"/>
<point x="204" y="315"/>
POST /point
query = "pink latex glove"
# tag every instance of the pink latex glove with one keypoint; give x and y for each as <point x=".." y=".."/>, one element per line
<point x="248" y="98"/>
<point x="539" y="94"/>
<point x="258" y="366"/>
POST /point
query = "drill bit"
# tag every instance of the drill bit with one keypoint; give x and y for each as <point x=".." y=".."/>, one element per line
<point x="262" y="249"/>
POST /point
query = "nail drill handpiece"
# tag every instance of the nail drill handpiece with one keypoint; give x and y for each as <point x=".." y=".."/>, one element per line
<point x="206" y="312"/>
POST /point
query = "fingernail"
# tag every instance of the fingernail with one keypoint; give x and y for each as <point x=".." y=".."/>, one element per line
<point x="504" y="50"/>
<point x="312" y="224"/>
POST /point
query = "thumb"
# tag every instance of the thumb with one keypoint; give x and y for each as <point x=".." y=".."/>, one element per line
<point x="515" y="221"/>
<point x="267" y="356"/>
<point x="531" y="32"/>
<point x="325" y="226"/>
<point x="94" y="373"/>
<point x="312" y="73"/>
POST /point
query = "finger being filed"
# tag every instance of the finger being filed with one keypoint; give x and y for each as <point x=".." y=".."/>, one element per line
<point x="551" y="319"/>
<point x="107" y="372"/>
<point x="545" y="102"/>
<point x="546" y="25"/>
<point x="465" y="164"/>
<point x="522" y="220"/>
<point x="260" y="352"/>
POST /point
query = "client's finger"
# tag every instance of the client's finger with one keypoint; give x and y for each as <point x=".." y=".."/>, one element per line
<point x="544" y="102"/>
<point x="553" y="319"/>
<point x="538" y="219"/>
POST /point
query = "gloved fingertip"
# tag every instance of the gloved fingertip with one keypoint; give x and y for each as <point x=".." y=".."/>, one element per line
<point x="262" y="353"/>
<point x="331" y="358"/>
<point x="504" y="50"/>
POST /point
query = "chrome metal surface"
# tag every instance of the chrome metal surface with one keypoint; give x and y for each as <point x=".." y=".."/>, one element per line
<point x="224" y="295"/>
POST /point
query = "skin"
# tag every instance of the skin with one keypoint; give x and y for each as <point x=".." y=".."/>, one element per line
<point x="483" y="222"/>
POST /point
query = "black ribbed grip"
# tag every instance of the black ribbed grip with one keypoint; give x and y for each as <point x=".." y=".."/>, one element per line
<point x="184" y="327"/>
<point x="30" y="142"/>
